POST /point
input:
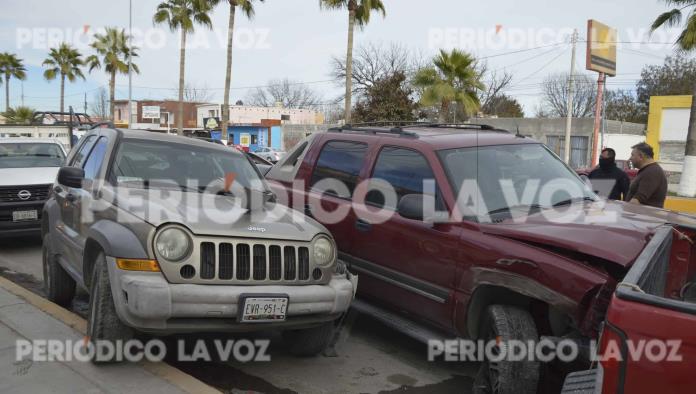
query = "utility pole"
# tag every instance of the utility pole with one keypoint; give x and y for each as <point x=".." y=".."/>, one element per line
<point x="22" y="93"/>
<point x="130" y="76"/>
<point x="85" y="102"/>
<point x="571" y="85"/>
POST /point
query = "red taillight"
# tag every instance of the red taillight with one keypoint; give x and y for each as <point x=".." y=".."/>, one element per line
<point x="612" y="358"/>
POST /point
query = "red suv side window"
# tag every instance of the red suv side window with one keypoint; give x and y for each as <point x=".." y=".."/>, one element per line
<point x="340" y="161"/>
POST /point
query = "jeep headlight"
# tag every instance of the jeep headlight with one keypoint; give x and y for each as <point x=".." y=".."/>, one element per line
<point x="173" y="244"/>
<point x="323" y="250"/>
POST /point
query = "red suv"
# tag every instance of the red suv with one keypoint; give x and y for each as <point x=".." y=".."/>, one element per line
<point x="482" y="234"/>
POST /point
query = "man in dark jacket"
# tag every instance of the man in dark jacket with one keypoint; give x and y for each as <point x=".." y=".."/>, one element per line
<point x="609" y="180"/>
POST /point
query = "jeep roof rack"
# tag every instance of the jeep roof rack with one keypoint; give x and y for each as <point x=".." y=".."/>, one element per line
<point x="398" y="127"/>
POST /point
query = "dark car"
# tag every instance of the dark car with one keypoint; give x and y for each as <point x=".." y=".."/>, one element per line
<point x="472" y="245"/>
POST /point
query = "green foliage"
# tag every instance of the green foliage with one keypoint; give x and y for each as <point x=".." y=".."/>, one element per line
<point x="19" y="115"/>
<point x="184" y="14"/>
<point x="64" y="61"/>
<point x="113" y="52"/>
<point x="453" y="78"/>
<point x="363" y="8"/>
<point x="12" y="67"/>
<point x="503" y="106"/>
<point x="675" y="17"/>
<point x="675" y="77"/>
<point x="388" y="99"/>
<point x="623" y="105"/>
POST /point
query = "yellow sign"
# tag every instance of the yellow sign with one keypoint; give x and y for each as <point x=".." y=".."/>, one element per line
<point x="245" y="140"/>
<point x="601" y="48"/>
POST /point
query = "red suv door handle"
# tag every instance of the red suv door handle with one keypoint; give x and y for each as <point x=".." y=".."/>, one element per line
<point x="363" y="225"/>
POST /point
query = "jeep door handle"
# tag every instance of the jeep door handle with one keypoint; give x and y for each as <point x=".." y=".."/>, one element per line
<point x="363" y="225"/>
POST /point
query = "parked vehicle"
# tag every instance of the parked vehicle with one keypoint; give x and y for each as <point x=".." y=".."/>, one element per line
<point x="655" y="301"/>
<point x="477" y="266"/>
<point x="184" y="267"/>
<point x="270" y="154"/>
<point x="28" y="167"/>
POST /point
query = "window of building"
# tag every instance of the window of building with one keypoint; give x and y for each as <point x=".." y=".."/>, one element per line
<point x="578" y="148"/>
<point x="340" y="161"/>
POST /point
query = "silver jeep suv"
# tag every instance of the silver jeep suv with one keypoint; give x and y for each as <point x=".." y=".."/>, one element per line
<point x="170" y="234"/>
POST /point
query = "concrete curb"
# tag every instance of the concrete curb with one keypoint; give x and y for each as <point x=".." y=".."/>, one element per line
<point x="172" y="375"/>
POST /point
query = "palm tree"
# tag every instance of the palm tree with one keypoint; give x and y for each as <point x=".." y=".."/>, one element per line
<point x="183" y="15"/>
<point x="453" y="78"/>
<point x="19" y="115"/>
<point x="358" y="13"/>
<point x="685" y="43"/>
<point x="65" y="61"/>
<point x="112" y="47"/>
<point x="11" y="66"/>
<point x="247" y="8"/>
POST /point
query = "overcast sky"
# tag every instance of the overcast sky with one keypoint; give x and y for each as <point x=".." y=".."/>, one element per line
<point x="296" y="39"/>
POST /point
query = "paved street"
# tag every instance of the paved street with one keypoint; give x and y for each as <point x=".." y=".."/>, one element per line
<point x="371" y="358"/>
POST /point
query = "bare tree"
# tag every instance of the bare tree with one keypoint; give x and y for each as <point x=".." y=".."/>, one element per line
<point x="555" y="96"/>
<point x="290" y="94"/>
<point x="375" y="61"/>
<point x="496" y="82"/>
<point x="196" y="94"/>
<point x="99" y="107"/>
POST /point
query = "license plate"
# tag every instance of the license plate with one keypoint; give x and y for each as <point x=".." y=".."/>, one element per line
<point x="263" y="309"/>
<point x="18" y="216"/>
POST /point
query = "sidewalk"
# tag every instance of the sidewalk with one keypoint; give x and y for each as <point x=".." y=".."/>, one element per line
<point x="24" y="315"/>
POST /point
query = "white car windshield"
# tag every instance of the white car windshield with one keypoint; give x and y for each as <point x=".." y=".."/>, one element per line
<point x="28" y="154"/>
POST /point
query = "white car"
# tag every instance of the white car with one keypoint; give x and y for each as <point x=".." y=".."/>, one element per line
<point x="270" y="154"/>
<point x="28" y="169"/>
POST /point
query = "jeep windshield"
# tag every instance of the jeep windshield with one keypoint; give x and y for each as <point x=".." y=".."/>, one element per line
<point x="27" y="155"/>
<point x="167" y="165"/>
<point x="508" y="180"/>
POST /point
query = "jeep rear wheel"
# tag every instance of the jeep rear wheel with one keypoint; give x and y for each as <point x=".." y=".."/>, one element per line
<point x="310" y="341"/>
<point x="103" y="324"/>
<point x="505" y="323"/>
<point x="58" y="284"/>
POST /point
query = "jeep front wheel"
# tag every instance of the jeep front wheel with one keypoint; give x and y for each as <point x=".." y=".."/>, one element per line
<point x="58" y="284"/>
<point x="103" y="324"/>
<point x="310" y="341"/>
<point x="503" y="323"/>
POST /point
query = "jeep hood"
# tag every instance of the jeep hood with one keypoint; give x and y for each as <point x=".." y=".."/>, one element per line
<point x="215" y="215"/>
<point x="614" y="231"/>
<point x="28" y="176"/>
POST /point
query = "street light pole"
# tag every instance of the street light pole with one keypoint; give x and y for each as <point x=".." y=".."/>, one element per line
<point x="569" y="115"/>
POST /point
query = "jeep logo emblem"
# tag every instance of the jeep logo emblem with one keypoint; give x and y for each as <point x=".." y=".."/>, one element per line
<point x="24" y="195"/>
<point x="257" y="229"/>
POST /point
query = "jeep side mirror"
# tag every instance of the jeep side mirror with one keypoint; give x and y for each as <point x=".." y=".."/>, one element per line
<point x="412" y="206"/>
<point x="71" y="177"/>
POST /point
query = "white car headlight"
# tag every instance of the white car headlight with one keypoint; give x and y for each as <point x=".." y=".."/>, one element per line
<point x="323" y="251"/>
<point x="173" y="244"/>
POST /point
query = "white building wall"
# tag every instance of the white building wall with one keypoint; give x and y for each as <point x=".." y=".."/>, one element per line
<point x="675" y="124"/>
<point x="247" y="114"/>
<point x="621" y="143"/>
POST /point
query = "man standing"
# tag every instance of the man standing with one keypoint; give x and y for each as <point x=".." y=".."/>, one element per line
<point x="609" y="175"/>
<point x="650" y="185"/>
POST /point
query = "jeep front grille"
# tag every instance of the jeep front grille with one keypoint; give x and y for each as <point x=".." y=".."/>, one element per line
<point x="250" y="262"/>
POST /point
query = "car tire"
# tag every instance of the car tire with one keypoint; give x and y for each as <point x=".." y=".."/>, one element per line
<point x="310" y="341"/>
<point x="508" y="377"/>
<point x="58" y="284"/>
<point x="103" y="324"/>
